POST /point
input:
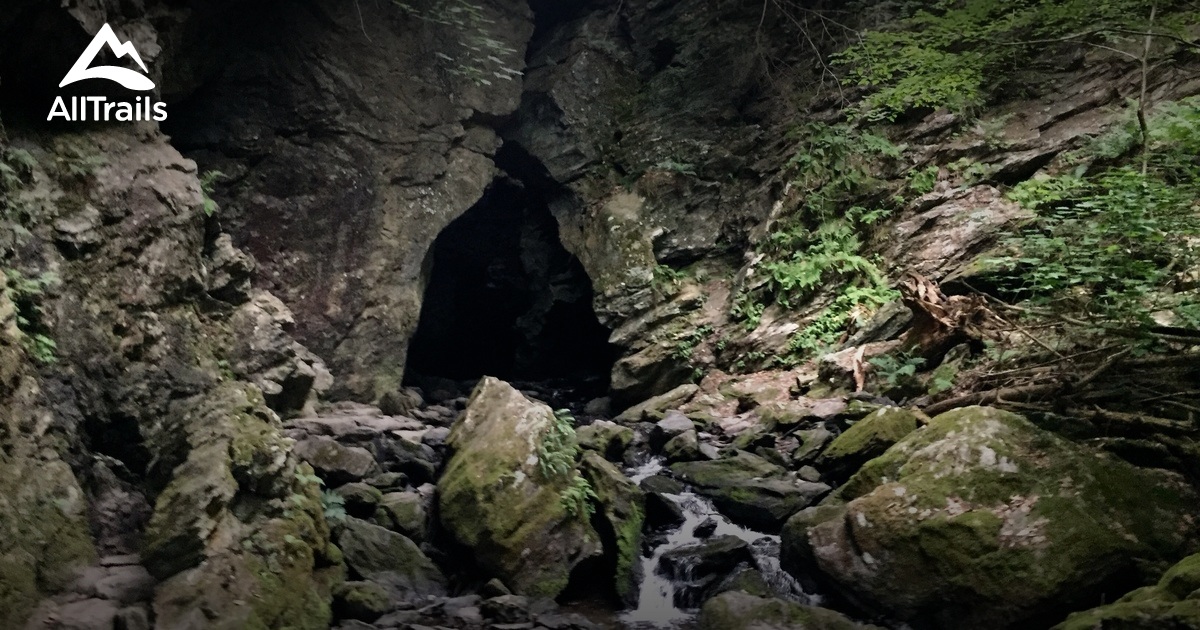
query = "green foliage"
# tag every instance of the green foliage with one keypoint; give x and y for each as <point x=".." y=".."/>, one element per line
<point x="76" y="163"/>
<point x="558" y="448"/>
<point x="956" y="53"/>
<point x="334" y="505"/>
<point x="558" y="451"/>
<point x="923" y="181"/>
<point x="667" y="280"/>
<point x="821" y="242"/>
<point x="480" y="58"/>
<point x="853" y="305"/>
<point x="1109" y="245"/>
<point x="577" y="499"/>
<point x="24" y="292"/>
<point x="893" y="370"/>
<point x="208" y="185"/>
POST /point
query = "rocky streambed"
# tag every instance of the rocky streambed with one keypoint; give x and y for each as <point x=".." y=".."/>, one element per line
<point x="476" y="509"/>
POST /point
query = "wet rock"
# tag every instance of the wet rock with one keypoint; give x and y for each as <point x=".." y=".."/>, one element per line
<point x="364" y="601"/>
<point x="390" y="559"/>
<point x="749" y="489"/>
<point x="812" y="442"/>
<point x="684" y="447"/>
<point x="126" y="584"/>
<point x="494" y="588"/>
<point x="673" y="424"/>
<point x="697" y="569"/>
<point x="622" y="508"/>
<point x="405" y="512"/>
<point x="388" y="482"/>
<point x="133" y="618"/>
<point x="864" y="440"/>
<point x="230" y="272"/>
<point x="506" y="609"/>
<point x="741" y="611"/>
<point x="495" y="499"/>
<point x="87" y="614"/>
<point x="1017" y="522"/>
<point x="335" y="463"/>
<point x="748" y="580"/>
<point x="705" y="528"/>
<point x="808" y="473"/>
<point x="1174" y="602"/>
<point x="662" y="512"/>
<point x="607" y="438"/>
<point x="654" y="408"/>
<point x="360" y="498"/>
<point x="417" y="461"/>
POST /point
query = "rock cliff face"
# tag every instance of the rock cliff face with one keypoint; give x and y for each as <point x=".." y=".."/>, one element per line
<point x="173" y="294"/>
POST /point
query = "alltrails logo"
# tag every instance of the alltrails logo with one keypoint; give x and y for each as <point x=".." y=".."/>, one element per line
<point x="99" y="108"/>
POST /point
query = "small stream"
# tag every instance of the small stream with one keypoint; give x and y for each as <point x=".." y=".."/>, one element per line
<point x="657" y="604"/>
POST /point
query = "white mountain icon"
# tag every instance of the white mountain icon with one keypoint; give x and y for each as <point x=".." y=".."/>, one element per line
<point x="126" y="77"/>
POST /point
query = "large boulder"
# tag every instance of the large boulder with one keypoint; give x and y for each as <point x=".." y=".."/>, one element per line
<point x="390" y="559"/>
<point x="865" y="440"/>
<point x="983" y="520"/>
<point x="736" y="610"/>
<point x="1174" y="602"/>
<point x="623" y="512"/>
<point x="749" y="489"/>
<point x="495" y="499"/>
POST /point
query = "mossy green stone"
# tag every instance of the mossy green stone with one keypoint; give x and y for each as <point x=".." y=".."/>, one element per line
<point x="866" y="439"/>
<point x="736" y="610"/>
<point x="983" y="520"/>
<point x="622" y="506"/>
<point x="494" y="498"/>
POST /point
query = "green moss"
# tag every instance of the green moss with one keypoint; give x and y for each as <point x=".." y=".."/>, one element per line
<point x="44" y="535"/>
<point x="736" y="610"/>
<point x="984" y="509"/>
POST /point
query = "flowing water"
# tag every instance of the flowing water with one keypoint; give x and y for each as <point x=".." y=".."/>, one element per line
<point x="658" y="604"/>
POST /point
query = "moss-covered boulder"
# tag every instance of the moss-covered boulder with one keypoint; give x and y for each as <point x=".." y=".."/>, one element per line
<point x="736" y="610"/>
<point x="983" y="520"/>
<point x="622" y="511"/>
<point x="1174" y="602"/>
<point x="389" y="559"/>
<point x="749" y="489"/>
<point x="865" y="440"/>
<point x="44" y="533"/>
<point x="495" y="499"/>
<point x="404" y="512"/>
<point x="607" y="438"/>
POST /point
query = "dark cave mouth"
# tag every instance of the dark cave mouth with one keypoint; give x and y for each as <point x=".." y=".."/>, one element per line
<point x="504" y="298"/>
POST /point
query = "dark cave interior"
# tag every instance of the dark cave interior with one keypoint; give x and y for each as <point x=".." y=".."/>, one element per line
<point x="505" y="299"/>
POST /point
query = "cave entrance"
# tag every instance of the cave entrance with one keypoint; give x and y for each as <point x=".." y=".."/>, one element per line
<point x="505" y="299"/>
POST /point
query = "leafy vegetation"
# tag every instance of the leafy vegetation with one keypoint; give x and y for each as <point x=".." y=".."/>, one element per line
<point x="25" y="292"/>
<point x="208" y="184"/>
<point x="821" y="242"/>
<point x="957" y="53"/>
<point x="558" y="451"/>
<point x="1115" y="246"/>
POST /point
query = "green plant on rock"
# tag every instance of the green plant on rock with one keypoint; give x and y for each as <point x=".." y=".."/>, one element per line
<point x="578" y="498"/>
<point x="558" y="451"/>
<point x="25" y="292"/>
<point x="1112" y="246"/>
<point x="956" y="54"/>
<point x="334" y="505"/>
<point x="892" y="370"/>
<point x="924" y="180"/>
<point x="821" y="241"/>
<point x="208" y="186"/>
